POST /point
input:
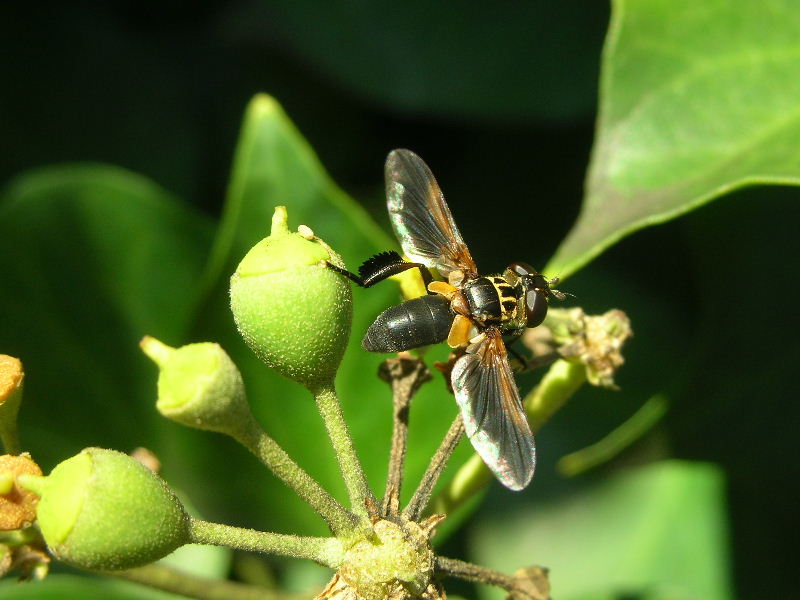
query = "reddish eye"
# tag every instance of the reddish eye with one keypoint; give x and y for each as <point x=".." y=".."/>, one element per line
<point x="535" y="307"/>
<point x="522" y="269"/>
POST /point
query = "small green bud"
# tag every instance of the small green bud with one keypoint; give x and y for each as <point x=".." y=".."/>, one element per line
<point x="103" y="510"/>
<point x="293" y="311"/>
<point x="198" y="386"/>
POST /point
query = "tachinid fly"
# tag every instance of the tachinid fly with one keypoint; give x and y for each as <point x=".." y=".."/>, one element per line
<point x="468" y="310"/>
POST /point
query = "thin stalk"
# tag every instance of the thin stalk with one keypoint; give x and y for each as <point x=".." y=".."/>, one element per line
<point x="354" y="478"/>
<point x="168" y="579"/>
<point x="615" y="442"/>
<point x="530" y="583"/>
<point x="558" y="385"/>
<point x="451" y="567"/>
<point x="324" y="551"/>
<point x="422" y="495"/>
<point x="339" y="519"/>
<point x="10" y="440"/>
<point x="405" y="374"/>
<point x="397" y="456"/>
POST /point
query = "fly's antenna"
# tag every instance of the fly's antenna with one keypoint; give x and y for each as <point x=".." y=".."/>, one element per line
<point x="558" y="293"/>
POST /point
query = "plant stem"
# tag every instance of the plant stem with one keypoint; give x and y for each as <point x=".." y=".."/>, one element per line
<point x="422" y="495"/>
<point x="405" y="374"/>
<point x="354" y="478"/>
<point x="451" y="567"/>
<point x="168" y="579"/>
<point x="324" y="551"/>
<point x="558" y="385"/>
<point x="252" y="436"/>
<point x="616" y="441"/>
<point x="10" y="439"/>
<point x="530" y="583"/>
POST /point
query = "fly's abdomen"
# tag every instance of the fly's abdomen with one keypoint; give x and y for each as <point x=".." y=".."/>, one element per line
<point x="419" y="322"/>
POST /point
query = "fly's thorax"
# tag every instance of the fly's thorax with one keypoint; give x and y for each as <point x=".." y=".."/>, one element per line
<point x="492" y="300"/>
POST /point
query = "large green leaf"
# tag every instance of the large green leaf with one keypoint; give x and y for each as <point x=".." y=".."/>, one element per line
<point x="696" y="99"/>
<point x="67" y="587"/>
<point x="654" y="532"/>
<point x="93" y="257"/>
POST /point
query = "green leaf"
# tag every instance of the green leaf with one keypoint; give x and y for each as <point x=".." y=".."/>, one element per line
<point x="657" y="530"/>
<point x="92" y="258"/>
<point x="696" y="100"/>
<point x="65" y="587"/>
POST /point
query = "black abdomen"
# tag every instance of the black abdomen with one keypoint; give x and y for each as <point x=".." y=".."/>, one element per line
<point x="419" y="322"/>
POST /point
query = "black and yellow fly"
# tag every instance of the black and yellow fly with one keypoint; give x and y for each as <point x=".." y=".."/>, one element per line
<point x="470" y="311"/>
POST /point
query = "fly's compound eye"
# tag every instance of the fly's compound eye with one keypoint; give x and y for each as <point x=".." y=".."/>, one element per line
<point x="522" y="269"/>
<point x="535" y="307"/>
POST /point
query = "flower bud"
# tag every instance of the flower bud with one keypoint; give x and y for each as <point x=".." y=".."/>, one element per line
<point x="594" y="340"/>
<point x="198" y="386"/>
<point x="103" y="510"/>
<point x="11" y="377"/>
<point x="293" y="311"/>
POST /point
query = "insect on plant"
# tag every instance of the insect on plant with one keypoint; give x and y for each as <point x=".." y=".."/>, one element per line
<point x="475" y="314"/>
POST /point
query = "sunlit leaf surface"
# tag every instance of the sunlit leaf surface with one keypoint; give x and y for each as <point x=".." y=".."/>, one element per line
<point x="696" y="99"/>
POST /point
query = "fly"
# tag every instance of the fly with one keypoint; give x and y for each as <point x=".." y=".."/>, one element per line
<point x="470" y="311"/>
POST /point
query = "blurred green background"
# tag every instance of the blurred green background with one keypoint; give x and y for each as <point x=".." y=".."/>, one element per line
<point x="501" y="101"/>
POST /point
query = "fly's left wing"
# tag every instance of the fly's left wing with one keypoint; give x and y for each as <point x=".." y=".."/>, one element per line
<point x="421" y="218"/>
<point x="491" y="407"/>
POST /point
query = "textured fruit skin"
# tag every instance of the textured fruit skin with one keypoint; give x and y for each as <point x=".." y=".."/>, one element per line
<point x="292" y="310"/>
<point x="200" y="386"/>
<point x="103" y="510"/>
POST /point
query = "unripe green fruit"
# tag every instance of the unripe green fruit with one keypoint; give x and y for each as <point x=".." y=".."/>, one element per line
<point x="199" y="386"/>
<point x="103" y="510"/>
<point x="293" y="311"/>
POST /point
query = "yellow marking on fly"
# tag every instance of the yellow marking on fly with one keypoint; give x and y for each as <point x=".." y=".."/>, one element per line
<point x="507" y="296"/>
<point x="411" y="283"/>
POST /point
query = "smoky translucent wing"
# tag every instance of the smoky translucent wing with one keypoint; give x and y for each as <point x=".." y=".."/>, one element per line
<point x="421" y="218"/>
<point x="491" y="407"/>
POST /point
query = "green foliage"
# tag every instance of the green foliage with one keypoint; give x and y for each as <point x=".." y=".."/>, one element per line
<point x="695" y="101"/>
<point x="656" y="530"/>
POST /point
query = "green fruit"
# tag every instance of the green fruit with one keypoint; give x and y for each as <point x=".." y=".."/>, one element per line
<point x="103" y="510"/>
<point x="199" y="386"/>
<point x="293" y="311"/>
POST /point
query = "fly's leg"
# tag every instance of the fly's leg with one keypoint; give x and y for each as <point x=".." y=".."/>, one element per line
<point x="380" y="267"/>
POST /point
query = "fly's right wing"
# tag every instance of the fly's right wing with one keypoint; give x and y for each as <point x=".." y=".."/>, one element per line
<point x="421" y="218"/>
<point x="494" y="418"/>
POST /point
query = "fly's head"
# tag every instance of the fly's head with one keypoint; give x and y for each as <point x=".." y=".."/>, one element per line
<point x="533" y="292"/>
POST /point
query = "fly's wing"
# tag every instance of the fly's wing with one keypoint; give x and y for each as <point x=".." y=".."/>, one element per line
<point x="421" y="218"/>
<point x="491" y="407"/>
